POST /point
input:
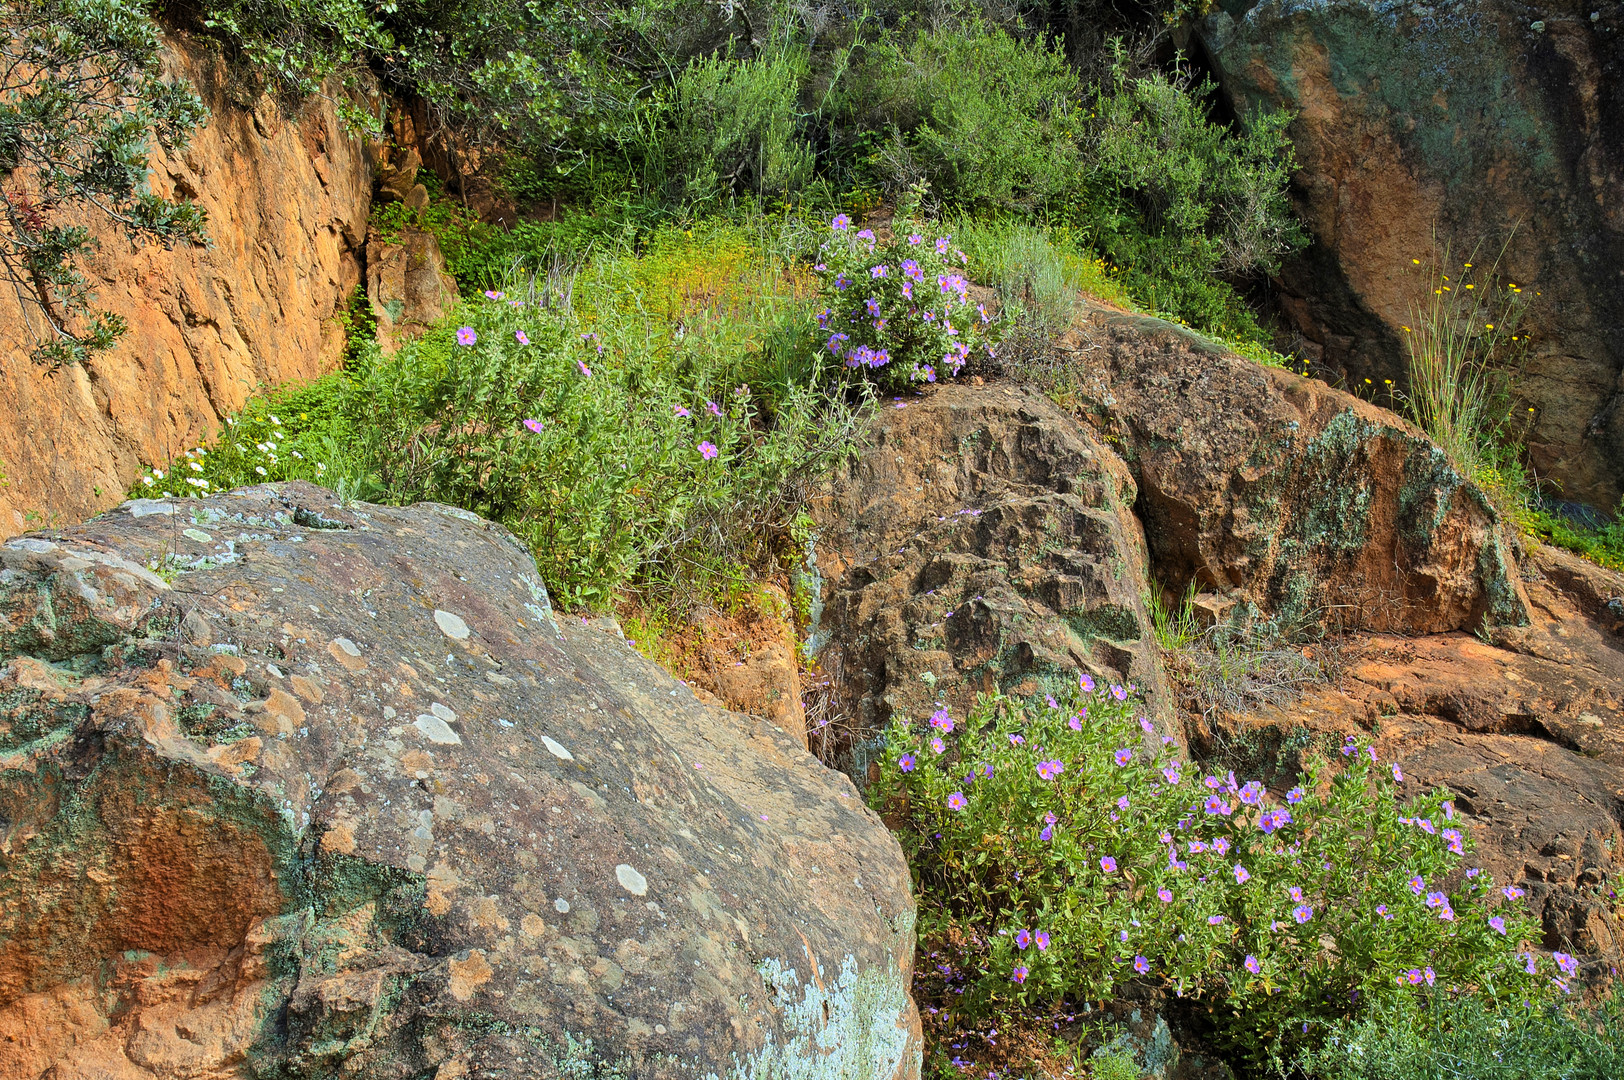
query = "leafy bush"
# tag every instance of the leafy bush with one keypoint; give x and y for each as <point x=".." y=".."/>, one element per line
<point x="732" y="128"/>
<point x="1467" y="1038"/>
<point x="890" y="308"/>
<point x="616" y="434"/>
<point x="987" y="120"/>
<point x="1061" y="850"/>
<point x="1177" y="200"/>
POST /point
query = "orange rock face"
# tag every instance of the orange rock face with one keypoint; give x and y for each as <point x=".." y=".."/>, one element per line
<point x="287" y="198"/>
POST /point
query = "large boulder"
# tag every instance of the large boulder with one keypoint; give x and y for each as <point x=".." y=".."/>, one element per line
<point x="1311" y="505"/>
<point x="299" y="789"/>
<point x="984" y="540"/>
<point x="1449" y="125"/>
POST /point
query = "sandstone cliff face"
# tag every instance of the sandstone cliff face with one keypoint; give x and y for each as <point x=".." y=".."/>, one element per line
<point x="287" y="198"/>
<point x="335" y="794"/>
<point x="1456" y="121"/>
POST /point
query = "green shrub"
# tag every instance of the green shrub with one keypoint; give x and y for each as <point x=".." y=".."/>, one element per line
<point x="1059" y="850"/>
<point x="83" y="98"/>
<point x="898" y="312"/>
<point x="606" y="420"/>
<point x="1466" y="1038"/>
<point x="1181" y="203"/>
<point x="732" y="128"/>
<point x="1602" y="545"/>
<point x="987" y="120"/>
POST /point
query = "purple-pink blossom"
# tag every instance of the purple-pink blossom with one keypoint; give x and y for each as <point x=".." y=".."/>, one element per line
<point x="707" y="450"/>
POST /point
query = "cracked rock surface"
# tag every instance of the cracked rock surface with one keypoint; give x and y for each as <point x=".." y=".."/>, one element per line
<point x="332" y="785"/>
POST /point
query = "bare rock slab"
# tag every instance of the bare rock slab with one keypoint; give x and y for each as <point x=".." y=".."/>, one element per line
<point x="299" y="789"/>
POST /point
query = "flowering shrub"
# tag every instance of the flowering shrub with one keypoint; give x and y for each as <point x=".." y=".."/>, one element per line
<point x="1063" y="849"/>
<point x="627" y="453"/>
<point x="898" y="312"/>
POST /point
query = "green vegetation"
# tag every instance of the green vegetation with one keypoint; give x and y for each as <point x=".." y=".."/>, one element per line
<point x="1462" y="1036"/>
<point x="1465" y="348"/>
<point x="1602" y="544"/>
<point x="83" y="96"/>
<point x="1062" y="851"/>
<point x="626" y="420"/>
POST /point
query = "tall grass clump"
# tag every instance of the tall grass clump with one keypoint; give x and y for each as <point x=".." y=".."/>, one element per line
<point x="1464" y="345"/>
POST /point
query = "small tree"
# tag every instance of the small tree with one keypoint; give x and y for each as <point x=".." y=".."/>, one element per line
<point x="82" y="93"/>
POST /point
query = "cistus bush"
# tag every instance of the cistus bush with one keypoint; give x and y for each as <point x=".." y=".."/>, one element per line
<point x="898" y="312"/>
<point x="1064" y="849"/>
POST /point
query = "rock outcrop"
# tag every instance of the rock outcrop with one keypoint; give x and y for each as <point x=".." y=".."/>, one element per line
<point x="984" y="540"/>
<point x="1527" y="729"/>
<point x="287" y="197"/>
<point x="1448" y="125"/>
<point x="407" y="284"/>
<point x="1277" y="491"/>
<point x="300" y="789"/>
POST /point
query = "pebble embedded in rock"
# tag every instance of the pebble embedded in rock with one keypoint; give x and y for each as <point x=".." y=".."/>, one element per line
<point x="436" y="730"/>
<point x="451" y="625"/>
<point x="556" y="749"/>
<point x="631" y="880"/>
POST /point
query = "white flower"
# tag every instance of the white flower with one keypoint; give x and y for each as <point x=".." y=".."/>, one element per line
<point x="298" y="455"/>
<point x="260" y="469"/>
<point x="196" y="467"/>
<point x="157" y="475"/>
<point x="262" y="448"/>
<point x="147" y="480"/>
<point x="275" y="421"/>
<point x="271" y="444"/>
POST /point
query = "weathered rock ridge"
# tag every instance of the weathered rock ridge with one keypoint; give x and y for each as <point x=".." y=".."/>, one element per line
<point x="984" y="541"/>
<point x="332" y="792"/>
<point x="287" y="198"/>
<point x="1455" y="122"/>
<point x="1310" y="504"/>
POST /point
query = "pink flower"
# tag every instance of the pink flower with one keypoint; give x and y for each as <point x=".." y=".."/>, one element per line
<point x="712" y="408"/>
<point x="492" y="294"/>
<point x="1141" y="965"/>
<point x="584" y="369"/>
<point x="1108" y="864"/>
<point x="957" y="801"/>
<point x="1042" y="940"/>
<point x="681" y="412"/>
<point x="1252" y="964"/>
<point x="466" y="336"/>
<point x="1241" y="874"/>
<point x="1019" y="974"/>
<point x="1023" y="938"/>
<point x="707" y="450"/>
<point x="1164" y="895"/>
<point x="521" y="337"/>
<point x="534" y="425"/>
<point x="1123" y="756"/>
